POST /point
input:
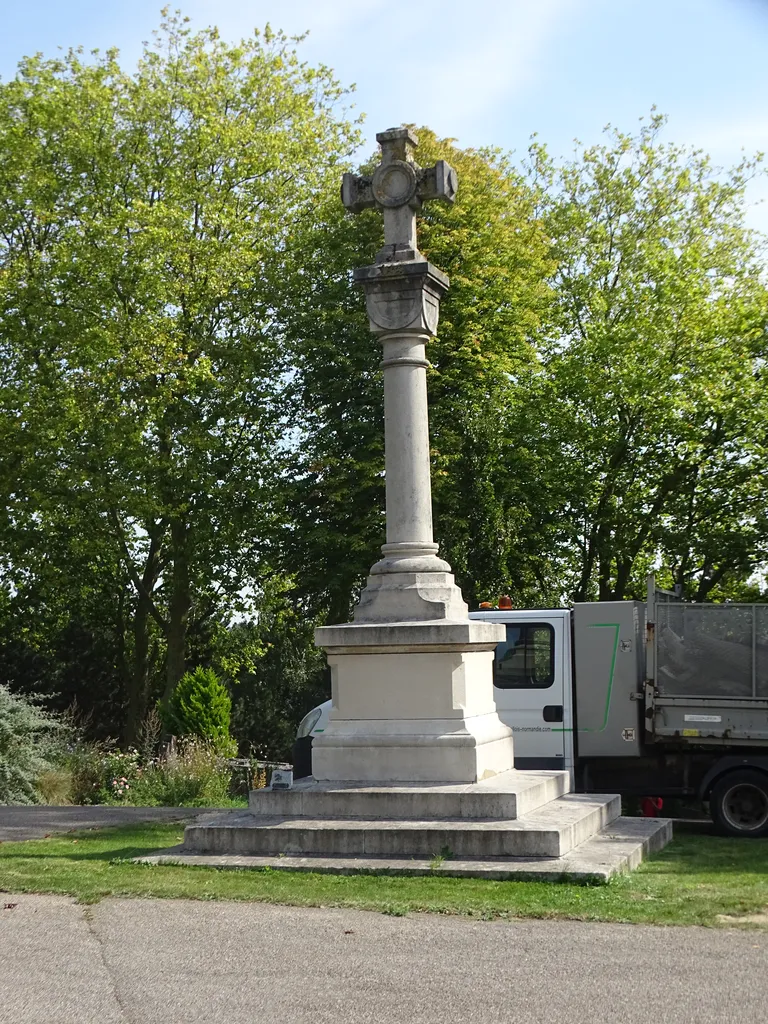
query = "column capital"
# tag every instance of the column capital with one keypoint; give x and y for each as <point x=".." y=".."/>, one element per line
<point x="402" y="296"/>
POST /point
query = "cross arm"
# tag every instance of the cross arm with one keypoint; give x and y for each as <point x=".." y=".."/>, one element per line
<point x="357" y="192"/>
<point x="438" y="182"/>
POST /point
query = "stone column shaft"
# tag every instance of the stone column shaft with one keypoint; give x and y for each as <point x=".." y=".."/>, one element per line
<point x="406" y="445"/>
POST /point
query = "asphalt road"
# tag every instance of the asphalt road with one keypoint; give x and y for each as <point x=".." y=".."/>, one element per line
<point x="168" y="962"/>
<point x="37" y="821"/>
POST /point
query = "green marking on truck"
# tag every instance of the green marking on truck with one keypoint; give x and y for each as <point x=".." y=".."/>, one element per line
<point x="616" y="626"/>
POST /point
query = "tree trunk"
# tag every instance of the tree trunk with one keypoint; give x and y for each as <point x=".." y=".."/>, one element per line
<point x="137" y="697"/>
<point x="179" y="607"/>
<point x="139" y="681"/>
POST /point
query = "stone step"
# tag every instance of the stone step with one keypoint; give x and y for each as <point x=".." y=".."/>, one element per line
<point x="620" y="847"/>
<point x="508" y="795"/>
<point x="551" y="831"/>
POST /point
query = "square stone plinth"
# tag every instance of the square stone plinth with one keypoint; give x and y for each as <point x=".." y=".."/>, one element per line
<point x="412" y="702"/>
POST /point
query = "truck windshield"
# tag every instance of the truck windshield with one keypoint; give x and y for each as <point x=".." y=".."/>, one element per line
<point x="525" y="660"/>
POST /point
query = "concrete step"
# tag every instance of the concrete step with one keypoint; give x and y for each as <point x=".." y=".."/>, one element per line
<point x="550" y="831"/>
<point x="620" y="847"/>
<point x="507" y="796"/>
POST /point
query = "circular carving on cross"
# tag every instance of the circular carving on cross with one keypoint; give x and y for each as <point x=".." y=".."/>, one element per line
<point x="394" y="184"/>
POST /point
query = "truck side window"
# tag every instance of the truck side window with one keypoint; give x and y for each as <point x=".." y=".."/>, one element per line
<point x="526" y="659"/>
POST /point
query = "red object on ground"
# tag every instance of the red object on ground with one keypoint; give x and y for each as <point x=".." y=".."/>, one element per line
<point x="651" y="805"/>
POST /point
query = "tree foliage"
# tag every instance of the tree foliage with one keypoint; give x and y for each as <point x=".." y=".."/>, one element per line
<point x="286" y="677"/>
<point x="492" y="246"/>
<point x="143" y="227"/>
<point x="191" y="422"/>
<point x="655" y="396"/>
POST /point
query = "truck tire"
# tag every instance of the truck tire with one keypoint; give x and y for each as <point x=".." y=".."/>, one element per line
<point x="738" y="803"/>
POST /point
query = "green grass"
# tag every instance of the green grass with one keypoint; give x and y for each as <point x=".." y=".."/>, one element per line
<point x="695" y="879"/>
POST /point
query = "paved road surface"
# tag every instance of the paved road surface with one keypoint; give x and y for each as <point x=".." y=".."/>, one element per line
<point x="19" y="823"/>
<point x="180" y="962"/>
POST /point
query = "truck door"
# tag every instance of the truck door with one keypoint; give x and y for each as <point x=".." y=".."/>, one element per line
<point x="529" y="676"/>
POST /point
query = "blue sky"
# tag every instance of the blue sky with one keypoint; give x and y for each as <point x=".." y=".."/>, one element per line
<point x="486" y="72"/>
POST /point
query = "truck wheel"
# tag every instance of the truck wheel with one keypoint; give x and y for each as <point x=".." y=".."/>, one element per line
<point x="739" y="803"/>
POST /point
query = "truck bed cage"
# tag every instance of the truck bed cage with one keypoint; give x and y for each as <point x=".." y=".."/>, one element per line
<point x="707" y="665"/>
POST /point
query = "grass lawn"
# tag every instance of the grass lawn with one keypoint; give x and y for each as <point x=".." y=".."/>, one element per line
<point x="695" y="879"/>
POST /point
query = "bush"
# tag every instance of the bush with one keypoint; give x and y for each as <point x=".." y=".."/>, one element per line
<point x="193" y="774"/>
<point x="55" y="787"/>
<point x="101" y="775"/>
<point x="201" y="706"/>
<point x="29" y="737"/>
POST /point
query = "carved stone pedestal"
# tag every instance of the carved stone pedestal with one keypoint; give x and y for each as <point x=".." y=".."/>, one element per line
<point x="412" y="702"/>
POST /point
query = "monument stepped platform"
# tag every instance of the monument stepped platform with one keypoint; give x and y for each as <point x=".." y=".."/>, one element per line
<point x="515" y="825"/>
<point x="619" y="848"/>
<point x="508" y="795"/>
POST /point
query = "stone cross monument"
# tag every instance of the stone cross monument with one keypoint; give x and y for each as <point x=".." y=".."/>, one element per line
<point x="403" y="293"/>
<point x="415" y="757"/>
<point x="411" y="676"/>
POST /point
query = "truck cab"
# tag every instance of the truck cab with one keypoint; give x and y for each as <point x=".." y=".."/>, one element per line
<point x="532" y="685"/>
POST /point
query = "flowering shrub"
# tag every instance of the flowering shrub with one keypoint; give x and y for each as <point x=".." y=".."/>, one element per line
<point x="193" y="774"/>
<point x="102" y="775"/>
<point x="120" y="771"/>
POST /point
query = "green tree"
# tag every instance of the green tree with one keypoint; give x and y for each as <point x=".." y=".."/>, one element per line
<point x="285" y="677"/>
<point x="654" y="398"/>
<point x="200" y="705"/>
<point x="144" y="222"/>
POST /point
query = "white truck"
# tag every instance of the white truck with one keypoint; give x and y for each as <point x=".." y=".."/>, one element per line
<point x="657" y="698"/>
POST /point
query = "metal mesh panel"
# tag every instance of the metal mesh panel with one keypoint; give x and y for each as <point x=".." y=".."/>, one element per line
<point x="712" y="650"/>
<point x="761" y="650"/>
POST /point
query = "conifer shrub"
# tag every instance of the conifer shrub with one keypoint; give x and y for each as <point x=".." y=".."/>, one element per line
<point x="201" y="706"/>
<point x="29" y="740"/>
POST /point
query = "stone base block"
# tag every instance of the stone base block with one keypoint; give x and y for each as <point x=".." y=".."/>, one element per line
<point x="399" y="596"/>
<point x="506" y="796"/>
<point x="412" y="702"/>
<point x="522" y="824"/>
<point x="620" y="847"/>
<point x="457" y="750"/>
<point x="550" y="831"/>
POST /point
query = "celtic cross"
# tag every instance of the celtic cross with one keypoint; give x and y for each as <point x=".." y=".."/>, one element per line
<point x="398" y="187"/>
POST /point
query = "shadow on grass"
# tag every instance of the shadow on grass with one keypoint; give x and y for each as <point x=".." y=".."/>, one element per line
<point x="147" y="839"/>
<point x="706" y="854"/>
<point x="125" y="854"/>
